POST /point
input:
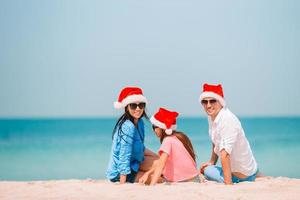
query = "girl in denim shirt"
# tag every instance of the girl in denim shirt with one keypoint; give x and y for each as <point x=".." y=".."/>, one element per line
<point x="129" y="157"/>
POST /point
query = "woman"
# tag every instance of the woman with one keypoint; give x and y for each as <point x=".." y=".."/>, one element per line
<point x="129" y="157"/>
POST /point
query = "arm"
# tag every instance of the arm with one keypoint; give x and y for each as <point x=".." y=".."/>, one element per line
<point x="213" y="159"/>
<point x="214" y="156"/>
<point x="126" y="143"/>
<point x="225" y="157"/>
<point x="159" y="168"/>
<point x="229" y="135"/>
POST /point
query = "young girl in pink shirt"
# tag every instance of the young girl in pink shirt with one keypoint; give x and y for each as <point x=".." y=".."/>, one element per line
<point x="177" y="162"/>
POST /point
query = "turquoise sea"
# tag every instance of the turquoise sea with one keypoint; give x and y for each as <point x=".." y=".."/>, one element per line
<point x="43" y="149"/>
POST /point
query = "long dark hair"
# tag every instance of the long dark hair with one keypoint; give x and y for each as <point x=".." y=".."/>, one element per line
<point x="122" y="119"/>
<point x="184" y="139"/>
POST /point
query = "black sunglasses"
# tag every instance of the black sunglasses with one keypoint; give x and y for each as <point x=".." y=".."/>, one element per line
<point x="211" y="101"/>
<point x="154" y="127"/>
<point x="133" y="106"/>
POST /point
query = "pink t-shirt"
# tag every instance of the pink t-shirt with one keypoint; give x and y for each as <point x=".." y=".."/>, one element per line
<point x="180" y="165"/>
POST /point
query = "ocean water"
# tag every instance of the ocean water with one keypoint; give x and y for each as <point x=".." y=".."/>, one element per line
<point x="43" y="149"/>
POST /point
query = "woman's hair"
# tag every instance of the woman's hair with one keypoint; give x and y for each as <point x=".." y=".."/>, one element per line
<point x="184" y="139"/>
<point x="123" y="118"/>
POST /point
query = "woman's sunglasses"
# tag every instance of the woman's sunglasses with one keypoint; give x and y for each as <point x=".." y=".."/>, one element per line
<point x="211" y="101"/>
<point x="133" y="106"/>
<point x="154" y="127"/>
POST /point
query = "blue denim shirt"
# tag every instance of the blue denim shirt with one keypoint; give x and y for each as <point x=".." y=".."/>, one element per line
<point x="127" y="149"/>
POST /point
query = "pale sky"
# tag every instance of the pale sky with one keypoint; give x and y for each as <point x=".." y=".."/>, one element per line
<point x="62" y="58"/>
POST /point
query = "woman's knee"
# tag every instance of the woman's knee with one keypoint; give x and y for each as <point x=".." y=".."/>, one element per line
<point x="147" y="163"/>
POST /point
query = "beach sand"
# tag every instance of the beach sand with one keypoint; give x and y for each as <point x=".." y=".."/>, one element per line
<point x="262" y="188"/>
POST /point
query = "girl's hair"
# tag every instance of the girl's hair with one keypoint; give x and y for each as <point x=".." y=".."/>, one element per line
<point x="184" y="139"/>
<point x="122" y="119"/>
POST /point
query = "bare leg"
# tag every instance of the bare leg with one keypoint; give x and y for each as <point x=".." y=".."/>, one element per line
<point x="150" y="157"/>
<point x="147" y="164"/>
<point x="148" y="152"/>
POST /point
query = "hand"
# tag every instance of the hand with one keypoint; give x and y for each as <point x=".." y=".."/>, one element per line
<point x="202" y="178"/>
<point x="144" y="179"/>
<point x="123" y="178"/>
<point x="204" y="165"/>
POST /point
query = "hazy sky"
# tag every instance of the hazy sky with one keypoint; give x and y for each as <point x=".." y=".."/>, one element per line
<point x="62" y="58"/>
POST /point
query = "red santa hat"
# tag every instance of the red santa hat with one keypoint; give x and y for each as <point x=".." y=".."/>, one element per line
<point x="165" y="119"/>
<point x="213" y="91"/>
<point x="129" y="95"/>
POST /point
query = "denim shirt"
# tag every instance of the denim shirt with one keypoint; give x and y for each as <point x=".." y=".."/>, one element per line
<point x="127" y="149"/>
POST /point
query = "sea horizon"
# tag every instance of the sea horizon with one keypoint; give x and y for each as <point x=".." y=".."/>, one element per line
<point x="28" y="117"/>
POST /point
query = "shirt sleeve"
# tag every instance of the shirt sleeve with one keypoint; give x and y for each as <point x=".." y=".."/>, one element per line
<point x="126" y="144"/>
<point x="228" y="138"/>
<point x="166" y="146"/>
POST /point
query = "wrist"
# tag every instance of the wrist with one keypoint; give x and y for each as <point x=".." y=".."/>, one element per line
<point x="212" y="162"/>
<point x="228" y="183"/>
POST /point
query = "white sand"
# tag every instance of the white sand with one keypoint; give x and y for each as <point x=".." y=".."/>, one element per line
<point x="262" y="188"/>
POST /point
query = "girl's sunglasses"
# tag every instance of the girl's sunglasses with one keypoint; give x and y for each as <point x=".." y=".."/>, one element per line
<point x="133" y="106"/>
<point x="211" y="101"/>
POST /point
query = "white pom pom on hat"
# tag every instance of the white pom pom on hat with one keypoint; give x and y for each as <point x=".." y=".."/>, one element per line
<point x="169" y="131"/>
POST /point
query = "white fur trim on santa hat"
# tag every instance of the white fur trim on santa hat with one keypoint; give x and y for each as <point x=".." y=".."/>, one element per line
<point x="163" y="126"/>
<point x="118" y="105"/>
<point x="130" y="99"/>
<point x="213" y="95"/>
